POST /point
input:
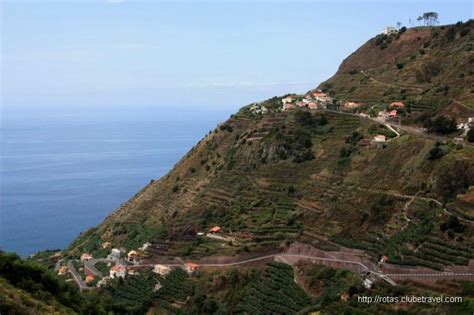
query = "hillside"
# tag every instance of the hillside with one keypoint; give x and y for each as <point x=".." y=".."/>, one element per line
<point x="431" y="69"/>
<point x="284" y="181"/>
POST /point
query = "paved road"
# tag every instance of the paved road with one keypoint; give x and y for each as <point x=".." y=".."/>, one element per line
<point x="77" y="277"/>
<point x="90" y="265"/>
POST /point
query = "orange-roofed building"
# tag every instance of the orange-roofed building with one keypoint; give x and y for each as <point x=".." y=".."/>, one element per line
<point x="393" y="113"/>
<point x="89" y="279"/>
<point x="62" y="270"/>
<point x="191" y="267"/>
<point x="215" y="229"/>
<point x="398" y="104"/>
<point x="118" y="271"/>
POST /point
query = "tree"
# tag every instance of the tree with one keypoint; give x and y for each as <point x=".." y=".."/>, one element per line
<point x="399" y="24"/>
<point x="470" y="135"/>
<point x="429" y="18"/>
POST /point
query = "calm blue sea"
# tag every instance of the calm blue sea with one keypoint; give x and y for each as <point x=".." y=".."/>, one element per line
<point x="63" y="171"/>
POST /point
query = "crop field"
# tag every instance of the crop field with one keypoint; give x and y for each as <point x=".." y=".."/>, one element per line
<point x="275" y="292"/>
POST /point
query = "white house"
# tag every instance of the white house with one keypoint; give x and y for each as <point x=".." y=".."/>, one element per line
<point x="86" y="257"/>
<point x="287" y="99"/>
<point x="118" y="271"/>
<point x="368" y="283"/>
<point x="114" y="254"/>
<point x="389" y="30"/>
<point x="161" y="269"/>
<point x="379" y="138"/>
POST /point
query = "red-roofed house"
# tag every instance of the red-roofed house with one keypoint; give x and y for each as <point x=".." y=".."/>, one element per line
<point x="191" y="267"/>
<point x="398" y="104"/>
<point x="89" y="279"/>
<point x="118" y="271"/>
<point x="393" y="113"/>
<point x="215" y="229"/>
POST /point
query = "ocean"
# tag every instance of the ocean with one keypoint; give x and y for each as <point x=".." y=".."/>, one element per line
<point x="63" y="171"/>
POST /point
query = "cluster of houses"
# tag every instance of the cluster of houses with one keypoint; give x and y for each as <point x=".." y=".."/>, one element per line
<point x="258" y="108"/>
<point x="312" y="100"/>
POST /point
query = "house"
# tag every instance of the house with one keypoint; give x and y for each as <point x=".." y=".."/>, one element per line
<point x="118" y="271"/>
<point x="384" y="259"/>
<point x="345" y="296"/>
<point x="300" y="104"/>
<point x="215" y="229"/>
<point x="470" y="122"/>
<point x="462" y="126"/>
<point x="398" y="104"/>
<point x="161" y="269"/>
<point x="131" y="271"/>
<point x="379" y="138"/>
<point x="322" y="97"/>
<point x="389" y="30"/>
<point x="287" y="99"/>
<point x="157" y="287"/>
<point x="132" y="255"/>
<point x="106" y="245"/>
<point x="393" y="113"/>
<point x="312" y="105"/>
<point x="145" y="246"/>
<point x="350" y="104"/>
<point x="287" y="106"/>
<point x="86" y="257"/>
<point x="115" y="254"/>
<point x="102" y="282"/>
<point x="191" y="267"/>
<point x="368" y="283"/>
<point x="62" y="270"/>
<point x="89" y="279"/>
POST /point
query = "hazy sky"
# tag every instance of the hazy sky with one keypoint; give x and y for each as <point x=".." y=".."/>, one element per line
<point x="185" y="53"/>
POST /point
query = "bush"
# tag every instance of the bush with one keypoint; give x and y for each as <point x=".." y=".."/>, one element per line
<point x="442" y="125"/>
<point x="400" y="65"/>
<point x="470" y="135"/>
<point x="436" y="153"/>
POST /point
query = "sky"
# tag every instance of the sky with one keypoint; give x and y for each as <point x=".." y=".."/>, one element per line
<point x="122" y="53"/>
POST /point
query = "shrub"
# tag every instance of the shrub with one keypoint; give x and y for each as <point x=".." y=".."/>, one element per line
<point x="470" y="135"/>
<point x="400" y="65"/>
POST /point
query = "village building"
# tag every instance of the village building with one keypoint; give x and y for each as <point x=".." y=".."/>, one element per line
<point x="145" y="246"/>
<point x="384" y="259"/>
<point x="115" y="254"/>
<point x="102" y="282"/>
<point x="62" y="270"/>
<point x="191" y="267"/>
<point x="345" y="296"/>
<point x="118" y="271"/>
<point x="393" y="113"/>
<point x="215" y="229"/>
<point x="157" y="287"/>
<point x="288" y="106"/>
<point x="89" y="279"/>
<point x="161" y="269"/>
<point x="258" y="109"/>
<point x="312" y="105"/>
<point x="397" y="104"/>
<point x="86" y="257"/>
<point x="368" y="283"/>
<point x="287" y="99"/>
<point x="351" y="104"/>
<point x="106" y="245"/>
<point x="379" y="138"/>
<point x="300" y="104"/>
<point x="132" y="256"/>
<point x="389" y="30"/>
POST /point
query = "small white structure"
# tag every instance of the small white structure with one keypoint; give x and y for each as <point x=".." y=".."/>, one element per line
<point x="102" y="282"/>
<point x="258" y="109"/>
<point x="379" y="138"/>
<point x="161" y="269"/>
<point x="86" y="257"/>
<point x="287" y="99"/>
<point x="389" y="30"/>
<point x="118" y="271"/>
<point x="145" y="246"/>
<point x="132" y="255"/>
<point x="114" y="254"/>
<point x="106" y="244"/>
<point x="368" y="283"/>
